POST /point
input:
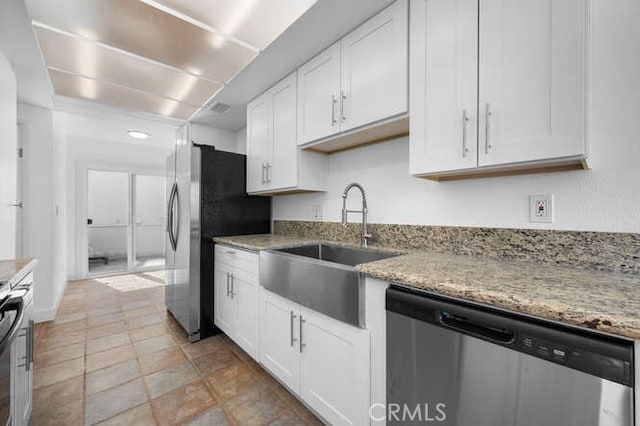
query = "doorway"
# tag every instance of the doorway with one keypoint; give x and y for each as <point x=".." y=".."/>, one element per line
<point x="125" y="222"/>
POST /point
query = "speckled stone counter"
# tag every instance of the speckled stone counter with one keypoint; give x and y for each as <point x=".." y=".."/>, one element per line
<point x="12" y="271"/>
<point x="605" y="301"/>
<point x="261" y="241"/>
<point x="604" y="251"/>
<point x="609" y="302"/>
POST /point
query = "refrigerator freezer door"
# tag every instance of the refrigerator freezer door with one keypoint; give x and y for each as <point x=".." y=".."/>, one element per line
<point x="183" y="289"/>
<point x="170" y="254"/>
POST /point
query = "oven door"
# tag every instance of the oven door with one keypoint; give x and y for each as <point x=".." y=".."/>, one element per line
<point x="11" y="312"/>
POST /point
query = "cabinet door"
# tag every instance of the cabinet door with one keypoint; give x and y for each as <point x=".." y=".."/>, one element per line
<point x="279" y="348"/>
<point x="335" y="369"/>
<point x="244" y="292"/>
<point x="532" y="80"/>
<point x="224" y="306"/>
<point x="318" y="96"/>
<point x="375" y="68"/>
<point x="444" y="62"/>
<point x="283" y="163"/>
<point x="258" y="130"/>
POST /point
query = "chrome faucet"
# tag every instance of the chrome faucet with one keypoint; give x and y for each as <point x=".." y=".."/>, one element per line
<point x="345" y="212"/>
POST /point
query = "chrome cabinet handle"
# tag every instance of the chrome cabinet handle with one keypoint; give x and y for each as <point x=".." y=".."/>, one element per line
<point x="343" y="98"/>
<point x="228" y="285"/>
<point x="293" y="339"/>
<point x="302" y="345"/>
<point x="264" y="167"/>
<point x="30" y="344"/>
<point x="465" y="120"/>
<point x="333" y="110"/>
<point x="233" y="286"/>
<point x="487" y="128"/>
<point x="269" y="173"/>
<point x="231" y="252"/>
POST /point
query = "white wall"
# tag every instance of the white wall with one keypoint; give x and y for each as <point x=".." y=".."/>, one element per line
<point x="605" y="198"/>
<point x="223" y="140"/>
<point x="8" y="159"/>
<point x="88" y="148"/>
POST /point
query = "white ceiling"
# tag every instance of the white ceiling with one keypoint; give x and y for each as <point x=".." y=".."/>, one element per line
<point x="166" y="57"/>
<point x="324" y="23"/>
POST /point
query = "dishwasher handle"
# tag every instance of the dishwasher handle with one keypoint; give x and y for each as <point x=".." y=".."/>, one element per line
<point x="474" y="328"/>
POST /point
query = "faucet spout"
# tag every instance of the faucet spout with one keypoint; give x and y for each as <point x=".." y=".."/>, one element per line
<point x="365" y="234"/>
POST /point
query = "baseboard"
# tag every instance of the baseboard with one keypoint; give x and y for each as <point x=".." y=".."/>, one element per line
<point x="49" y="314"/>
<point x="44" y="315"/>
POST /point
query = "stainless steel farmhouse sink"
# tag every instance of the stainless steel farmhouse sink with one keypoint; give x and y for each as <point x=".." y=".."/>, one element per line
<point x="320" y="276"/>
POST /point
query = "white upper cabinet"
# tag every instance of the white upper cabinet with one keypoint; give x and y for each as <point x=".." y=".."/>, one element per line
<point x="282" y="170"/>
<point x="532" y="79"/>
<point x="360" y="80"/>
<point x="257" y="143"/>
<point x="374" y="69"/>
<point x="497" y="84"/>
<point x="444" y="69"/>
<point x="319" y="96"/>
<point x="274" y="163"/>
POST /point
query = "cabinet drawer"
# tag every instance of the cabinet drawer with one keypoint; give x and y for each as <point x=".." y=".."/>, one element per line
<point x="240" y="259"/>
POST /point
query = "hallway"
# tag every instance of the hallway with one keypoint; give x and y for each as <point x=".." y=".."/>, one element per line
<point x="113" y="356"/>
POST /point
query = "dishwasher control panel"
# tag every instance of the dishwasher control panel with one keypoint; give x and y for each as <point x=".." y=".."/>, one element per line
<point x="580" y="358"/>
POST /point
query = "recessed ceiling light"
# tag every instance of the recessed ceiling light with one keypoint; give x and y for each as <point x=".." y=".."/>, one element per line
<point x="138" y="134"/>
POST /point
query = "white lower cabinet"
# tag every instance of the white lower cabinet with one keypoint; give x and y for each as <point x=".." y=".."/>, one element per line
<point x="324" y="361"/>
<point x="236" y="296"/>
<point x="279" y="331"/>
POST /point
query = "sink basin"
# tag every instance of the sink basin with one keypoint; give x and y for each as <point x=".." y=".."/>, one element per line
<point x="320" y="276"/>
<point x="349" y="256"/>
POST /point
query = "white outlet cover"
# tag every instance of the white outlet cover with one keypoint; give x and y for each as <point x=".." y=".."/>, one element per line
<point x="541" y="208"/>
<point x="318" y="211"/>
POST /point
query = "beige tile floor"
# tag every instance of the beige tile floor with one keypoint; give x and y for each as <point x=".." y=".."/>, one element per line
<point x="113" y="356"/>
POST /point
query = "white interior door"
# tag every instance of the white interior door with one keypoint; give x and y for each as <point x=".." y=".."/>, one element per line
<point x="531" y="80"/>
<point x="149" y="219"/>
<point x="19" y="204"/>
<point x="108" y="223"/>
<point x="8" y="117"/>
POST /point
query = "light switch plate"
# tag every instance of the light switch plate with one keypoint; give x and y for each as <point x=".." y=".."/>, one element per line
<point x="541" y="208"/>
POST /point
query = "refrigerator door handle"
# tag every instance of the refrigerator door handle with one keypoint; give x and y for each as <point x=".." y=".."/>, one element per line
<point x="170" y="216"/>
<point x="176" y="224"/>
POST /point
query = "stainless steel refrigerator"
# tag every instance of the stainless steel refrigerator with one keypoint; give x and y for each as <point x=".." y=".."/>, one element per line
<point x="206" y="197"/>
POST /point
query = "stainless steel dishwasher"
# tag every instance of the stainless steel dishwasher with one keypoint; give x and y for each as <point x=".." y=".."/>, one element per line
<point x="459" y="364"/>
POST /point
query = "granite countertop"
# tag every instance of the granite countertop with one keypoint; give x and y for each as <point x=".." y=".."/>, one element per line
<point x="605" y="301"/>
<point x="12" y="271"/>
<point x="609" y="302"/>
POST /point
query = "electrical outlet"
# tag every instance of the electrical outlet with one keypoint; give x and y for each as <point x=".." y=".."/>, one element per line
<point x="541" y="208"/>
<point x="318" y="211"/>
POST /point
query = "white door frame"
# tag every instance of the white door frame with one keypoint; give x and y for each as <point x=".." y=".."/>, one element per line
<point x="82" y="208"/>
